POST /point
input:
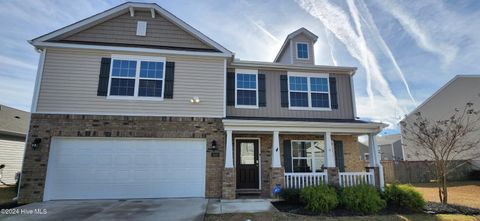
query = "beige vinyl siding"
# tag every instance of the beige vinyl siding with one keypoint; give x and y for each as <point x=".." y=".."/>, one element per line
<point x="274" y="109"/>
<point x="286" y="56"/>
<point x="122" y="30"/>
<point x="441" y="107"/>
<point x="70" y="81"/>
<point x="12" y="149"/>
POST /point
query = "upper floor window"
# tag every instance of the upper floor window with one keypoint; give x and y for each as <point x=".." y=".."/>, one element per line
<point x="302" y="50"/>
<point x="138" y="77"/>
<point x="246" y="88"/>
<point x="309" y="91"/>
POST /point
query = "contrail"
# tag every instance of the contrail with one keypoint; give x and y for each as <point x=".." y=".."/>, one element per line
<point x="371" y="25"/>
<point x="265" y="31"/>
<point x="331" y="47"/>
<point x="337" y="22"/>
<point x="421" y="37"/>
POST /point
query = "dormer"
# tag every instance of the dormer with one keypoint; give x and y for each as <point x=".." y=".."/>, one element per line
<point x="298" y="48"/>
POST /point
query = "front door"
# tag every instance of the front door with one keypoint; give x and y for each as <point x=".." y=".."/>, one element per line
<point x="247" y="164"/>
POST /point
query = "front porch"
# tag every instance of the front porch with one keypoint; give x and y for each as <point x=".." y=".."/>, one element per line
<point x="262" y="154"/>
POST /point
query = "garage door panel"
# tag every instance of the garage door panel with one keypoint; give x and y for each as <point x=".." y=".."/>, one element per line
<point x="93" y="168"/>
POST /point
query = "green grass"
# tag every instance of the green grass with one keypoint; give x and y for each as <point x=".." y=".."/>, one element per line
<point x="6" y="194"/>
<point x="286" y="216"/>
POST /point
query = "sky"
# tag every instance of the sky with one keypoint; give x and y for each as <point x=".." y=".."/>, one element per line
<point x="404" y="50"/>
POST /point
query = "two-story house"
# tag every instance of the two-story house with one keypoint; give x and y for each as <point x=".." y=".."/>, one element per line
<point x="135" y="103"/>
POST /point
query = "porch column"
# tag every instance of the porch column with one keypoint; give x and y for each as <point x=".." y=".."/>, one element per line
<point x="375" y="159"/>
<point x="276" y="150"/>
<point x="229" y="150"/>
<point x="333" y="175"/>
<point x="229" y="178"/>
<point x="329" y="150"/>
<point x="277" y="173"/>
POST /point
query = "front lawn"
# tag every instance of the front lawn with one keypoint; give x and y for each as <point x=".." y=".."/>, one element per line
<point x="288" y="216"/>
<point x="460" y="193"/>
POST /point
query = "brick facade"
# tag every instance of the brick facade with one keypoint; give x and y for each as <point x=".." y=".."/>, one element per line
<point x="46" y="126"/>
<point x="220" y="182"/>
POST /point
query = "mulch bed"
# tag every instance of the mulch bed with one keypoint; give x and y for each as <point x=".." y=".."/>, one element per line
<point x="9" y="205"/>
<point x="430" y="208"/>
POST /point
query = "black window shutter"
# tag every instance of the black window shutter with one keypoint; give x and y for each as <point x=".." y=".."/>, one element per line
<point x="104" y="76"/>
<point x="284" y="90"/>
<point x="333" y="92"/>
<point x="339" y="158"/>
<point x="287" y="156"/>
<point x="231" y="89"/>
<point x="169" y="77"/>
<point x="262" y="99"/>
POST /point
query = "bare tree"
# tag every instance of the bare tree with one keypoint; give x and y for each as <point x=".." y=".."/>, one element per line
<point x="445" y="141"/>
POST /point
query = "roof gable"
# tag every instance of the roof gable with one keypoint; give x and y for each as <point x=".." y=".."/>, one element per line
<point x="13" y="121"/>
<point x="89" y="29"/>
<point x="300" y="31"/>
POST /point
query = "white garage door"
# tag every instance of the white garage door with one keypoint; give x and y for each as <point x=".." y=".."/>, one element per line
<point x="97" y="168"/>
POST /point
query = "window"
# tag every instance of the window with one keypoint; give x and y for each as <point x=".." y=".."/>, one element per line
<point x="302" y="50"/>
<point x="141" y="77"/>
<point x="366" y="155"/>
<point x="309" y="92"/>
<point x="246" y="89"/>
<point x="308" y="156"/>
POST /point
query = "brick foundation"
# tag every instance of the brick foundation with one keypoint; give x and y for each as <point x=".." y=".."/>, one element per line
<point x="45" y="126"/>
<point x="229" y="185"/>
<point x="276" y="177"/>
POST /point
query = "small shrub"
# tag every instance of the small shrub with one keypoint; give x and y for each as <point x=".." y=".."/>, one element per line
<point x="362" y="199"/>
<point x="319" y="198"/>
<point x="404" y="197"/>
<point x="291" y="196"/>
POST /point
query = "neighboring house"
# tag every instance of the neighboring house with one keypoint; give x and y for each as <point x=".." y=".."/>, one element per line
<point x="390" y="147"/>
<point x="441" y="106"/>
<point x="135" y="103"/>
<point x="364" y="155"/>
<point x="13" y="129"/>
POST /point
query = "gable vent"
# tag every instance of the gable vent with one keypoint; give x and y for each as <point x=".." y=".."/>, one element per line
<point x="141" y="28"/>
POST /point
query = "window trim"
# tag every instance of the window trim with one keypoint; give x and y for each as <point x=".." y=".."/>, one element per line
<point x="137" y="77"/>
<point x="309" y="91"/>
<point x="296" y="158"/>
<point x="246" y="71"/>
<point x="308" y="50"/>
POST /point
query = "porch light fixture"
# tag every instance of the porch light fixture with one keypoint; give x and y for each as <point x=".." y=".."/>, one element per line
<point x="36" y="143"/>
<point x="214" y="145"/>
<point x="195" y="100"/>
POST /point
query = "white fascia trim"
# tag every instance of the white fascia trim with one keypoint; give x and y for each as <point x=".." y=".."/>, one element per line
<point x="438" y="91"/>
<point x="38" y="80"/>
<point x="352" y="92"/>
<point x="126" y="114"/>
<point x="126" y="6"/>
<point x="225" y="88"/>
<point x="299" y="67"/>
<point x="300" y="126"/>
<point x="130" y="49"/>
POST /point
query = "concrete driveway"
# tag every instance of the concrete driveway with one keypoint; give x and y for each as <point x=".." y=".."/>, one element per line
<point x="138" y="209"/>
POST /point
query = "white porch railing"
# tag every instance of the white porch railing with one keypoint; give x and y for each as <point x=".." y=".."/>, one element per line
<point x="301" y="180"/>
<point x="356" y="178"/>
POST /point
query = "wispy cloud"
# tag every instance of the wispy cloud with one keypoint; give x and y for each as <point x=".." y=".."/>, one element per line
<point x="336" y="21"/>
<point x="384" y="47"/>
<point x="424" y="40"/>
<point x="6" y="61"/>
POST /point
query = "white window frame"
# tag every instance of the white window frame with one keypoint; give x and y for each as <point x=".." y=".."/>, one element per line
<point x="306" y="158"/>
<point x="137" y="77"/>
<point x="309" y="91"/>
<point x="308" y="50"/>
<point x="246" y="71"/>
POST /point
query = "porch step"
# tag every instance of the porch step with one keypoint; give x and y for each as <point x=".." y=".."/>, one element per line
<point x="248" y="193"/>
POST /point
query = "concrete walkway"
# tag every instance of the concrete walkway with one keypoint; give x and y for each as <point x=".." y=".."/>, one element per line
<point x="216" y="206"/>
<point x="106" y="210"/>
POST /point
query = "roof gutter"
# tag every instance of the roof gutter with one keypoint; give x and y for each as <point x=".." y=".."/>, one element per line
<point x="280" y="66"/>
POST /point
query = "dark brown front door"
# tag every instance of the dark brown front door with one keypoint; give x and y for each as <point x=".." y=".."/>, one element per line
<point x="247" y="164"/>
